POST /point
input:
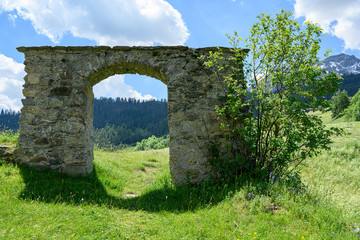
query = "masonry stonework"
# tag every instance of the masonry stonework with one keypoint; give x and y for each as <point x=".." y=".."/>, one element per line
<point x="56" y="122"/>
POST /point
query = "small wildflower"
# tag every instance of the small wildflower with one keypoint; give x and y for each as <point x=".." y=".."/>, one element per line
<point x="255" y="233"/>
<point x="240" y="230"/>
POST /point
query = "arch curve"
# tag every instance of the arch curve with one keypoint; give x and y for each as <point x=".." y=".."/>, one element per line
<point x="126" y="68"/>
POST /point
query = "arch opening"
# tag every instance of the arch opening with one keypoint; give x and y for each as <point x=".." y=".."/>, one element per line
<point x="127" y="109"/>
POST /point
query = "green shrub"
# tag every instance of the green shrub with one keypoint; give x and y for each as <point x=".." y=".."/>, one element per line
<point x="109" y="147"/>
<point x="339" y="102"/>
<point x="153" y="142"/>
<point x="353" y="111"/>
<point x="265" y="109"/>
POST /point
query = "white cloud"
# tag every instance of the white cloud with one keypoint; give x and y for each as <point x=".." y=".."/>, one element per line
<point x="12" y="18"/>
<point x="11" y="81"/>
<point x="115" y="86"/>
<point x="339" y="18"/>
<point x="241" y="3"/>
<point x="116" y="22"/>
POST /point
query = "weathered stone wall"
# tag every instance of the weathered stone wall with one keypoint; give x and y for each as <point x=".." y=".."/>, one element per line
<point x="56" y="120"/>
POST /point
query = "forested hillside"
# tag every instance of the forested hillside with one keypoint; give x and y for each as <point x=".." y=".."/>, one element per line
<point x="9" y="120"/>
<point x="351" y="83"/>
<point x="127" y="121"/>
<point x="116" y="121"/>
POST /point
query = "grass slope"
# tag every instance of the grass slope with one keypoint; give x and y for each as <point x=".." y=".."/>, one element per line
<point x="129" y="196"/>
<point x="335" y="175"/>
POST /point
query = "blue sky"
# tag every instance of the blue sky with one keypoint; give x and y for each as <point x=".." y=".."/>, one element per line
<point x="194" y="23"/>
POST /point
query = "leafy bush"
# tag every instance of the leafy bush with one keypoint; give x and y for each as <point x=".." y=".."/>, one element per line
<point x="109" y="147"/>
<point x="153" y="142"/>
<point x="264" y="112"/>
<point x="339" y="102"/>
<point x="353" y="111"/>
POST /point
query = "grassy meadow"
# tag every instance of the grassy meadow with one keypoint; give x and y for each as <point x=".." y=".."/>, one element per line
<point x="130" y="196"/>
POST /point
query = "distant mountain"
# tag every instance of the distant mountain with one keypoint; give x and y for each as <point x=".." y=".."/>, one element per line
<point x="342" y="64"/>
<point x="348" y="66"/>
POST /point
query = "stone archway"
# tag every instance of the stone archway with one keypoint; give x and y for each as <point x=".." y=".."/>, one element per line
<point x="56" y="120"/>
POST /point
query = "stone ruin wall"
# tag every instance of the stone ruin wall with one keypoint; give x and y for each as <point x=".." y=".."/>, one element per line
<point x="56" y="120"/>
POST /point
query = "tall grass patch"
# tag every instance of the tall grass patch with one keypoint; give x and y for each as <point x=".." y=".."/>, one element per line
<point x="335" y="174"/>
<point x="9" y="137"/>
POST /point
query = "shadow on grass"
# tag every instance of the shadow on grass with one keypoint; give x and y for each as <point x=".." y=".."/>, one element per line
<point x="52" y="187"/>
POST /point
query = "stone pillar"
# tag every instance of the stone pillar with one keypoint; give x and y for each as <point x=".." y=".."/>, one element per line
<point x="56" y="119"/>
<point x="192" y="123"/>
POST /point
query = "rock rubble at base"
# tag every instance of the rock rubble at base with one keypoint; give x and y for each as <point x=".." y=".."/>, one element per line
<point x="5" y="153"/>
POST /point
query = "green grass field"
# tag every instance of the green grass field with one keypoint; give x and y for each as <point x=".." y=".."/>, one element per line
<point x="130" y="196"/>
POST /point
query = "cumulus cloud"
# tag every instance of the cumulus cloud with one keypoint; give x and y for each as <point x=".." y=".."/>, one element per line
<point x="339" y="18"/>
<point x="116" y="22"/>
<point x="11" y="81"/>
<point x="115" y="86"/>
